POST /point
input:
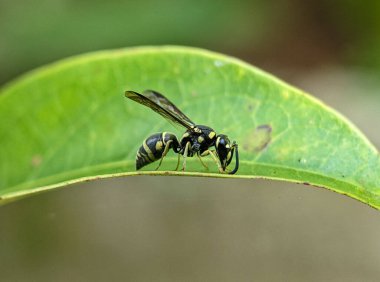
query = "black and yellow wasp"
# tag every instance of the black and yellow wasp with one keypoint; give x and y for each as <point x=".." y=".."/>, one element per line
<point x="197" y="139"/>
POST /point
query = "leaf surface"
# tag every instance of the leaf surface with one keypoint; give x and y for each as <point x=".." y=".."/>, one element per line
<point x="70" y="122"/>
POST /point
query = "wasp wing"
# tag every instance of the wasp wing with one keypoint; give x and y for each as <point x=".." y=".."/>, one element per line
<point x="161" y="105"/>
<point x="166" y="104"/>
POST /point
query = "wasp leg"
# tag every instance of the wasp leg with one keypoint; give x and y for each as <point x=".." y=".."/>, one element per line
<point x="207" y="152"/>
<point x="199" y="156"/>
<point x="216" y="160"/>
<point x="179" y="156"/>
<point x="167" y="147"/>
<point x="185" y="155"/>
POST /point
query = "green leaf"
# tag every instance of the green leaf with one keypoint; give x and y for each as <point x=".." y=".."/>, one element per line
<point x="70" y="122"/>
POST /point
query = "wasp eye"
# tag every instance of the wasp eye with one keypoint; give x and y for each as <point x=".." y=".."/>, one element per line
<point x="222" y="141"/>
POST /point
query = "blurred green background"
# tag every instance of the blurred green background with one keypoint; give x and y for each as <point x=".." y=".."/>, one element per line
<point x="190" y="229"/>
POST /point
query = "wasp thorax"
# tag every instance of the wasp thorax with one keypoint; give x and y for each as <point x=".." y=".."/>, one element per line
<point x="199" y="138"/>
<point x="207" y="134"/>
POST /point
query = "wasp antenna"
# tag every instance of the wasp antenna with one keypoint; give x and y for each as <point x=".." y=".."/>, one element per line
<point x="237" y="159"/>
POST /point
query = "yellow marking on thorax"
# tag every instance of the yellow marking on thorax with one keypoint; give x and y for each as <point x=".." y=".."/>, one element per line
<point x="196" y="129"/>
<point x="211" y="134"/>
<point x="200" y="139"/>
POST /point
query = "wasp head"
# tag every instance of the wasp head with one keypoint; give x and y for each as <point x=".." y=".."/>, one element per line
<point x="225" y="151"/>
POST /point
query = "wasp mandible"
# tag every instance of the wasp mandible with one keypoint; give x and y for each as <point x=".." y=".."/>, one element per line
<point x="197" y="140"/>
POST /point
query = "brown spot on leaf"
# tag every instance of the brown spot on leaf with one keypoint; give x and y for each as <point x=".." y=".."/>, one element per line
<point x="259" y="139"/>
<point x="194" y="93"/>
<point x="250" y="108"/>
<point x="36" y="160"/>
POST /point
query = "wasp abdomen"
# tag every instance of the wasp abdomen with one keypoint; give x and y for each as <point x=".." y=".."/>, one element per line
<point x="153" y="148"/>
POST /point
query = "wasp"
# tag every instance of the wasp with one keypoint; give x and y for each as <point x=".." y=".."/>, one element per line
<point x="197" y="140"/>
